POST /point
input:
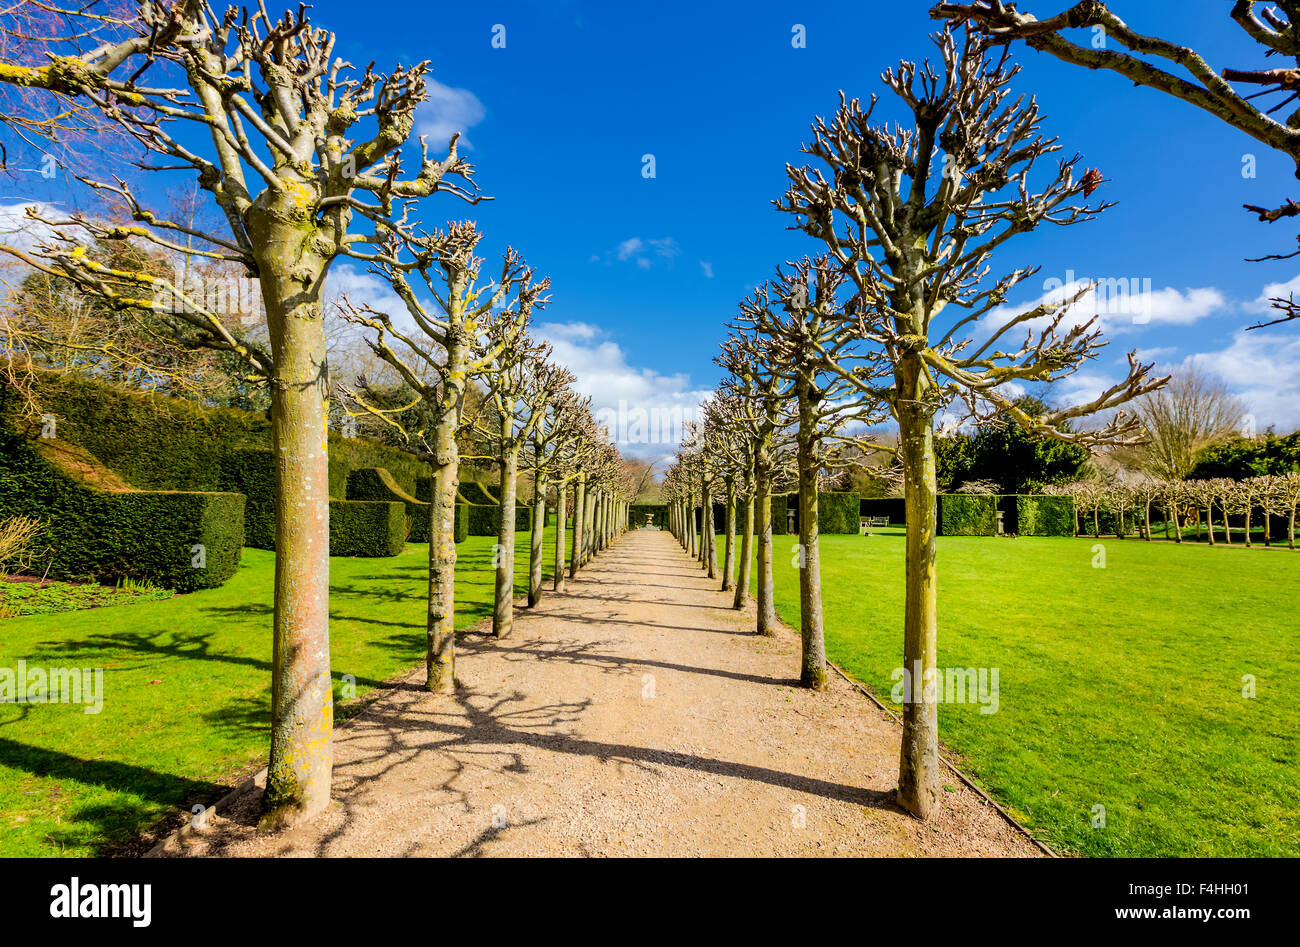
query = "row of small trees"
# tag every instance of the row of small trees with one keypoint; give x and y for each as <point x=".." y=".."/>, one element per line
<point x="307" y="162"/>
<point x="878" y="326"/>
<point x="1129" y="505"/>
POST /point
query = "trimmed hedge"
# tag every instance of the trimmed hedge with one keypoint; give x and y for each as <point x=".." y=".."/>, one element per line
<point x="156" y="442"/>
<point x="780" y="503"/>
<point x="838" y="512"/>
<point x="483" y="520"/>
<point x="376" y="483"/>
<point x="97" y="529"/>
<point x="968" y="514"/>
<point x="369" y="528"/>
<point x="636" y="515"/>
<point x="1044" y="515"/>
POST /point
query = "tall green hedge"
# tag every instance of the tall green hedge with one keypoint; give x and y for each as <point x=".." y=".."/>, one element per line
<point x="156" y="442"/>
<point x="968" y="514"/>
<point x="97" y="529"/>
<point x="1044" y="515"/>
<point x="780" y="503"/>
<point x="838" y="512"/>
<point x="636" y="513"/>
<point x="370" y="528"/>
<point x="376" y="483"/>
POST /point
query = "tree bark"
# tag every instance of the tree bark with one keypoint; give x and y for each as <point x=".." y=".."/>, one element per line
<point x="708" y="536"/>
<point x="766" y="619"/>
<point x="746" y="552"/>
<point x="561" y="511"/>
<point x="813" y="665"/>
<point x="918" y="776"/>
<point x="503" y="608"/>
<point x="579" y="498"/>
<point x="729" y="550"/>
<point x="535" y="537"/>
<point x="302" y="698"/>
<point x="440" y="631"/>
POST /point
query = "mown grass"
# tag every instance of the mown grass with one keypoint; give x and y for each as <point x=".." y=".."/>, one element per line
<point x="1120" y="686"/>
<point x="44" y="598"/>
<point x="186" y="691"/>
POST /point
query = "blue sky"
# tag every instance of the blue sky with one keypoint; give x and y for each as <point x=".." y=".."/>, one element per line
<point x="646" y="271"/>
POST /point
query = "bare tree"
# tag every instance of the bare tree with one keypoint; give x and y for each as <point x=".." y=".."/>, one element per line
<point x="521" y="385"/>
<point x="916" y="234"/>
<point x="808" y="342"/>
<point x="290" y="164"/>
<point x="563" y="416"/>
<point x="1193" y="411"/>
<point x="462" y="335"/>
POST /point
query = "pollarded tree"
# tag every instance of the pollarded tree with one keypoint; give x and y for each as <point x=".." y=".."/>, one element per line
<point x="568" y="457"/>
<point x="807" y="341"/>
<point x="521" y="385"/>
<point x="916" y="235"/>
<point x="1175" y="69"/>
<point x="460" y="336"/>
<point x="763" y="419"/>
<point x="554" y="437"/>
<point x="727" y="410"/>
<point x="295" y="150"/>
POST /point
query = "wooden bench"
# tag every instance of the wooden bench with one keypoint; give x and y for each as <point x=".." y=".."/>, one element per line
<point x="865" y="523"/>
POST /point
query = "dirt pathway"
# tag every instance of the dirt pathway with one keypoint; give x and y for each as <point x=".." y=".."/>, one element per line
<point x="635" y="715"/>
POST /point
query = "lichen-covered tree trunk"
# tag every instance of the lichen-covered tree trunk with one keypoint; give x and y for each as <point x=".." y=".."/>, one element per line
<point x="535" y="541"/>
<point x="766" y="621"/>
<point x="302" y="700"/>
<point x="440" y="653"/>
<point x="813" y="648"/>
<point x="561" y="511"/>
<point x="918" y="771"/>
<point x="503" y="608"/>
<point x="579" y="514"/>
<point x="746" y="553"/>
<point x="729" y="545"/>
<point x="709" y="538"/>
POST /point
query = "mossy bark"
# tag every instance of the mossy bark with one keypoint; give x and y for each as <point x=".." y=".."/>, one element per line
<point x="746" y="553"/>
<point x="503" y="607"/>
<point x="766" y="620"/>
<point x="541" y="485"/>
<point x="918" y="771"/>
<point x="561" y="511"/>
<point x="813" y="646"/>
<point x="708" y="538"/>
<point x="729" y="545"/>
<point x="579" y="514"/>
<point x="291" y="274"/>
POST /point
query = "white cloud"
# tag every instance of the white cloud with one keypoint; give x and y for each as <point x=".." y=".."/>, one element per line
<point x="21" y="232"/>
<point x="1264" y="369"/>
<point x="1264" y="302"/>
<point x="643" y="408"/>
<point x="446" y="112"/>
<point x="707" y="268"/>
<point x="643" y="252"/>
<point x="1124" y="305"/>
<point x="363" y="288"/>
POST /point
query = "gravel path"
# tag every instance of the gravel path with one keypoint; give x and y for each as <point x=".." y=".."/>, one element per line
<point x="637" y="714"/>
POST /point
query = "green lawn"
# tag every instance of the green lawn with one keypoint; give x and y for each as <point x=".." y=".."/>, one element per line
<point x="1119" y="686"/>
<point x="186" y="691"/>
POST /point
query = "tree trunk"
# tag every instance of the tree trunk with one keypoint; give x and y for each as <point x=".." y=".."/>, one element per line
<point x="535" y="537"/>
<point x="1209" y="522"/>
<point x="1248" y="511"/>
<point x="813" y="667"/>
<point x="746" y="552"/>
<point x="729" y="547"/>
<point x="440" y="631"/>
<point x="918" y="776"/>
<point x="1146" y="521"/>
<point x="709" y="536"/>
<point x="1290" y="528"/>
<point x="503" y="609"/>
<point x="561" y="511"/>
<point x="579" y="499"/>
<point x="302" y="698"/>
<point x="766" y="621"/>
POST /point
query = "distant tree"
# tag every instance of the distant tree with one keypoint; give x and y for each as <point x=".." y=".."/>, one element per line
<point x="1020" y="461"/>
<point x="1194" y="411"/>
